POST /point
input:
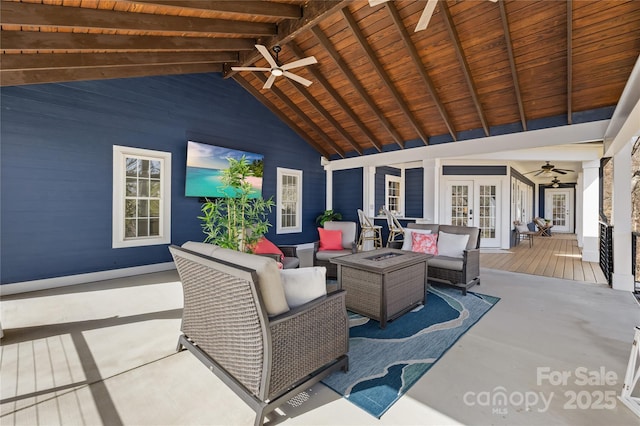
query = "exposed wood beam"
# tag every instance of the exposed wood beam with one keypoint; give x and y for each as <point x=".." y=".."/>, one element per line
<point x="569" y="61"/>
<point x="327" y="116"/>
<point x="90" y="60"/>
<point x="244" y="7"/>
<point x="453" y="34"/>
<point x="377" y="65"/>
<point x="282" y="116"/>
<point x="21" y="41"/>
<point x="296" y="110"/>
<point x="417" y="61"/>
<point x="326" y="43"/>
<point x="512" y="63"/>
<point x="30" y="14"/>
<point x="36" y="76"/>
<point x="313" y="12"/>
<point x="320" y="79"/>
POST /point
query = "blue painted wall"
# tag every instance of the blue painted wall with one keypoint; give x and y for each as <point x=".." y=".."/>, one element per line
<point x="56" y="165"/>
<point x="413" y="192"/>
<point x="347" y="193"/>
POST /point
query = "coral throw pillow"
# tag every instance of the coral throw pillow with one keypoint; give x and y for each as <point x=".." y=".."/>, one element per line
<point x="264" y="246"/>
<point x="330" y="239"/>
<point x="424" y="243"/>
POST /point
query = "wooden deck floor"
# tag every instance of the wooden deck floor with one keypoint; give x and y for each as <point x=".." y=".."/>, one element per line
<point x="557" y="256"/>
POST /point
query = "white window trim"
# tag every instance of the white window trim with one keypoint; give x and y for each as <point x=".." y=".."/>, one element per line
<point x="280" y="172"/>
<point x="119" y="178"/>
<point x="394" y="178"/>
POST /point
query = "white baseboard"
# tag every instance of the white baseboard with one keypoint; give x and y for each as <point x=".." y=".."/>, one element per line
<point x="47" y="283"/>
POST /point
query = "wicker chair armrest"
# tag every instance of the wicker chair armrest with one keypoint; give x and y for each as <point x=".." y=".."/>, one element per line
<point x="472" y="263"/>
<point x="289" y="251"/>
<point x="307" y="338"/>
<point x="275" y="256"/>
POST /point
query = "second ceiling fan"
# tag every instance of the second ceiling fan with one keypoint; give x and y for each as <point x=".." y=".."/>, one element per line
<point x="423" y="22"/>
<point x="277" y="69"/>
<point x="548" y="169"/>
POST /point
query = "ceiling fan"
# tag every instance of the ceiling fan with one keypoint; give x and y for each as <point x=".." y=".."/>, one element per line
<point x="555" y="183"/>
<point x="548" y="169"/>
<point x="423" y="22"/>
<point x="277" y="69"/>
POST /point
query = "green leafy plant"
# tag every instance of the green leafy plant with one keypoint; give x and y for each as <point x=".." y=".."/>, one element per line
<point x="326" y="216"/>
<point x="236" y="221"/>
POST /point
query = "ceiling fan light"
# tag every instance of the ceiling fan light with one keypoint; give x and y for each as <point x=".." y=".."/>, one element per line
<point x="555" y="185"/>
<point x="277" y="71"/>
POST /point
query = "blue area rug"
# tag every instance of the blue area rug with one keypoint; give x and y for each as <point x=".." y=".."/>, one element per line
<point x="384" y="364"/>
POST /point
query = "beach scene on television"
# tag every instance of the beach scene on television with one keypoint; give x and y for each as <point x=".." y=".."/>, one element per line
<point x="205" y="164"/>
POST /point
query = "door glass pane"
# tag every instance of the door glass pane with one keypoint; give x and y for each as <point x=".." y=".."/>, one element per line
<point x="487" y="211"/>
<point x="459" y="205"/>
<point x="559" y="206"/>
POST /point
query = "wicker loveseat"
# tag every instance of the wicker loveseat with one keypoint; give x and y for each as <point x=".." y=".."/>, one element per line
<point x="460" y="272"/>
<point x="265" y="359"/>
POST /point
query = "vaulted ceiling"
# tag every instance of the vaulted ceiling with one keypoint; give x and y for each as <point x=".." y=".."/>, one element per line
<point x="480" y="68"/>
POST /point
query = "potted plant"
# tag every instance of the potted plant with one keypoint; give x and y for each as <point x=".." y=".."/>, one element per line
<point x="328" y="215"/>
<point x="236" y="221"/>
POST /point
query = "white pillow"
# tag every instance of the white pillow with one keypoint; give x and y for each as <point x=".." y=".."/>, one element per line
<point x="302" y="285"/>
<point x="202" y="248"/>
<point x="408" y="239"/>
<point x="452" y="245"/>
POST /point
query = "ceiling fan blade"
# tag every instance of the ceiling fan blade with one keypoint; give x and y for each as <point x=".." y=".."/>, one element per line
<point x="265" y="52"/>
<point x="250" y="69"/>
<point x="559" y="171"/>
<point x="540" y="172"/>
<point x="269" y="82"/>
<point x="376" y="2"/>
<point x="426" y="15"/>
<point x="297" y="78"/>
<point x="564" y="170"/>
<point x="300" y="63"/>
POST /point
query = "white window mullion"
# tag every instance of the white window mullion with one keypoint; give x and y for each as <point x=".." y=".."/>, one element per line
<point x="141" y="197"/>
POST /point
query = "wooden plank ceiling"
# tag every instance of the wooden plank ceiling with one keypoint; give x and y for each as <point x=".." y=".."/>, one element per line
<point x="480" y="67"/>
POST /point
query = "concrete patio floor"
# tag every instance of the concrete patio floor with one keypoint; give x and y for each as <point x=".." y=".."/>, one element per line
<point x="103" y="353"/>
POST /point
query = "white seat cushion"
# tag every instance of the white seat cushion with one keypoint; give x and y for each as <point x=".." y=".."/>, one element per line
<point x="330" y="254"/>
<point x="445" y="262"/>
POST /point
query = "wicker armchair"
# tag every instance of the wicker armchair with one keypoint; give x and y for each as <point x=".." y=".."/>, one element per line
<point x="349" y="246"/>
<point x="264" y="360"/>
<point x="461" y="273"/>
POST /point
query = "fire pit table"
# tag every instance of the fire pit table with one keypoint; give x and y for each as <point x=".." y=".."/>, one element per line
<point x="383" y="284"/>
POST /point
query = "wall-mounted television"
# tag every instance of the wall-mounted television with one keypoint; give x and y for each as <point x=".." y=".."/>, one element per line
<point x="204" y="169"/>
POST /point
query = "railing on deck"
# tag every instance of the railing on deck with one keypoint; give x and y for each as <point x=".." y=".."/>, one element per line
<point x="606" y="250"/>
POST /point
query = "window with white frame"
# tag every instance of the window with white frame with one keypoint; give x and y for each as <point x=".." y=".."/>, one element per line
<point x="289" y="202"/>
<point x="393" y="193"/>
<point x="141" y="197"/>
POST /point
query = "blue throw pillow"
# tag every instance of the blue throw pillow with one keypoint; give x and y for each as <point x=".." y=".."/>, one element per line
<point x="531" y="226"/>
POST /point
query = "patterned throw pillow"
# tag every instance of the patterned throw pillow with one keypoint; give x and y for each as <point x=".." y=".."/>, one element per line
<point x="425" y="243"/>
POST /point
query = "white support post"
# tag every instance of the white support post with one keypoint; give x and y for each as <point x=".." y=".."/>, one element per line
<point x="623" y="277"/>
<point x="580" y="208"/>
<point x="369" y="190"/>
<point x="430" y="193"/>
<point x="329" y="186"/>
<point x="590" y="211"/>
<point x="631" y="377"/>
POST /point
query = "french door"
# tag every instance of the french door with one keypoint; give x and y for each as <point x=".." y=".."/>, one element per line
<point x="558" y="206"/>
<point x="475" y="203"/>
